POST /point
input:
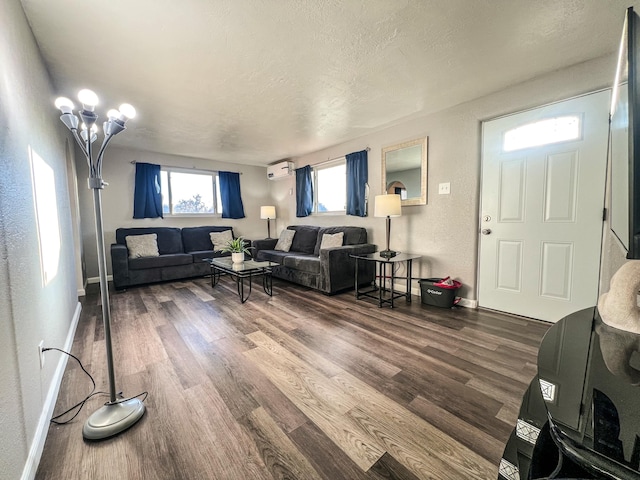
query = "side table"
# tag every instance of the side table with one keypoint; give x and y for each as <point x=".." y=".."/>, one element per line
<point x="379" y="292"/>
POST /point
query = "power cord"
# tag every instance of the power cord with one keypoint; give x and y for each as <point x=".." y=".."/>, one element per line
<point x="93" y="393"/>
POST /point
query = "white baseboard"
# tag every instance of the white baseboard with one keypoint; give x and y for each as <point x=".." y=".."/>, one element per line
<point x="465" y="302"/>
<point x="97" y="279"/>
<point x="81" y="292"/>
<point x="37" y="445"/>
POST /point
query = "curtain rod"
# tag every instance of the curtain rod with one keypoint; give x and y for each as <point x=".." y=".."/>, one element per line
<point x="133" y="162"/>
<point x="335" y="158"/>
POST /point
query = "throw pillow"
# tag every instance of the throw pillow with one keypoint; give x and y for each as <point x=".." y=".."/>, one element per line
<point x="142" y="245"/>
<point x="220" y="239"/>
<point x="285" y="240"/>
<point x="305" y="239"/>
<point x="332" y="240"/>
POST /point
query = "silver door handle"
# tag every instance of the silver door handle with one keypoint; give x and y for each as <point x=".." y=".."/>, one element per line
<point x="486" y="231"/>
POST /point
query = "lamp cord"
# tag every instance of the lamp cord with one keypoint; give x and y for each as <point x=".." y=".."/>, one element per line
<point x="80" y="404"/>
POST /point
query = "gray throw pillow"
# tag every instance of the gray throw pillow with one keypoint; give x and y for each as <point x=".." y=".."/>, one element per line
<point x="220" y="239"/>
<point x="330" y="240"/>
<point x="142" y="245"/>
<point x="285" y="240"/>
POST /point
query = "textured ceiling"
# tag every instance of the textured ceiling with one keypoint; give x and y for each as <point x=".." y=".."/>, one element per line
<point x="255" y="81"/>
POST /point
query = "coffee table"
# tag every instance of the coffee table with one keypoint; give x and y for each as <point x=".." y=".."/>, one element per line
<point x="241" y="271"/>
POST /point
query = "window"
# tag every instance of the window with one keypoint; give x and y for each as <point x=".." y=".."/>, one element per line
<point x="543" y="132"/>
<point x="330" y="187"/>
<point x="190" y="192"/>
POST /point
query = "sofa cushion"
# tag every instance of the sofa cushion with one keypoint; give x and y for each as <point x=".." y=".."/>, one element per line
<point x="352" y="236"/>
<point x="272" y="256"/>
<point x="167" y="260"/>
<point x="169" y="238"/>
<point x="306" y="263"/>
<point x="204" y="254"/>
<point x="285" y="240"/>
<point x="305" y="239"/>
<point x="142" y="245"/>
<point x="197" y="239"/>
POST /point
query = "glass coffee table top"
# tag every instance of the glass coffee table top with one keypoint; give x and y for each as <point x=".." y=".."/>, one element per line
<point x="241" y="271"/>
<point x="226" y="263"/>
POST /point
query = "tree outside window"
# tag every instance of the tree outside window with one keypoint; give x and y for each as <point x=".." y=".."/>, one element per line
<point x="190" y="193"/>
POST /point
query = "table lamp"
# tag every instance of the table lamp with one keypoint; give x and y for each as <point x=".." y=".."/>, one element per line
<point x="268" y="212"/>
<point x="388" y="206"/>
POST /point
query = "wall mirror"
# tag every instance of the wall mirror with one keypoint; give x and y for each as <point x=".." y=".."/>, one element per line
<point x="404" y="171"/>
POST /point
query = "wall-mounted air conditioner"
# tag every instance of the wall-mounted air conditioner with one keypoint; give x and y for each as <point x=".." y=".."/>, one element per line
<point x="279" y="170"/>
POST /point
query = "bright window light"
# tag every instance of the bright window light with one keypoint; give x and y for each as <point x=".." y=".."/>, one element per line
<point x="543" y="132"/>
<point x="527" y="432"/>
<point x="548" y="390"/>
<point x="46" y="210"/>
<point x="508" y="470"/>
<point x="330" y="186"/>
<point x="190" y="193"/>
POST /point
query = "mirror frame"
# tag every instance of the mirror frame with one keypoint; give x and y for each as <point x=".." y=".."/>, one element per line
<point x="424" y="142"/>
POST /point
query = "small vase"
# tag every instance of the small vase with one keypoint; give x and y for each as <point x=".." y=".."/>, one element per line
<point x="237" y="257"/>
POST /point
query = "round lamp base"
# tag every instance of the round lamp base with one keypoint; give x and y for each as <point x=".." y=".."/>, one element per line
<point x="112" y="419"/>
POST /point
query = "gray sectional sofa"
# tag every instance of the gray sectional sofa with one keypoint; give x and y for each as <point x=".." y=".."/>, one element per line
<point x="329" y="270"/>
<point x="181" y="255"/>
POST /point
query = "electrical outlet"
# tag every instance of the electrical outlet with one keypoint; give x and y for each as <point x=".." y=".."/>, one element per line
<point x="41" y="353"/>
<point x="444" y="188"/>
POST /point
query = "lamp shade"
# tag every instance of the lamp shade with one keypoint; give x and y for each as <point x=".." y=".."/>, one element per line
<point x="267" y="212"/>
<point x="387" y="206"/>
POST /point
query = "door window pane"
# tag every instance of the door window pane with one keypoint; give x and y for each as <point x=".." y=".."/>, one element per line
<point x="543" y="132"/>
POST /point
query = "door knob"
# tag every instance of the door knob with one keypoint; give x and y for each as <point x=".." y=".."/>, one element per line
<point x="486" y="231"/>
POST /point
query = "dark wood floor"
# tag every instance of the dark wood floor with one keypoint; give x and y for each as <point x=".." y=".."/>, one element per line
<point x="295" y="386"/>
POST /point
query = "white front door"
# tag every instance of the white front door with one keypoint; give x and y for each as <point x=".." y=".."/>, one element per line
<point x="542" y="208"/>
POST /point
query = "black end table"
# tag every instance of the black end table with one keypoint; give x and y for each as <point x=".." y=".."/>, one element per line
<point x="379" y="292"/>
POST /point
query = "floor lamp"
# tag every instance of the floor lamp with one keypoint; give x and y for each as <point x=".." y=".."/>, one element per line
<point x="116" y="415"/>
<point x="388" y="206"/>
<point x="267" y="213"/>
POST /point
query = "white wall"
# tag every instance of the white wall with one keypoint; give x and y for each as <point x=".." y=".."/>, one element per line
<point x="30" y="309"/>
<point x="445" y="231"/>
<point x="117" y="198"/>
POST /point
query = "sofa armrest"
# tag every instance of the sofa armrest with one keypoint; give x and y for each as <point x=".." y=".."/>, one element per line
<point x="338" y="268"/>
<point x="264" y="244"/>
<point x="120" y="265"/>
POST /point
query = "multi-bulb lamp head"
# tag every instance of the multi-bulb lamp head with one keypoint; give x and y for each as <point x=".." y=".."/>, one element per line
<point x="89" y="130"/>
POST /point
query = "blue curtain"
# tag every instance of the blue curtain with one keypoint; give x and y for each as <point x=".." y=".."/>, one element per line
<point x="304" y="192"/>
<point x="147" y="198"/>
<point x="357" y="178"/>
<point x="230" y="195"/>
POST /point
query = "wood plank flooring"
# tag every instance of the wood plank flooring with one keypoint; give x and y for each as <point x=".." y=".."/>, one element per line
<point x="295" y="386"/>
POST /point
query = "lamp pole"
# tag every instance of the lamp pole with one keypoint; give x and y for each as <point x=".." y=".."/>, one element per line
<point x="116" y="415"/>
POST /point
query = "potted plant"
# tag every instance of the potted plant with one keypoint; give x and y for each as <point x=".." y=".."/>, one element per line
<point x="237" y="248"/>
